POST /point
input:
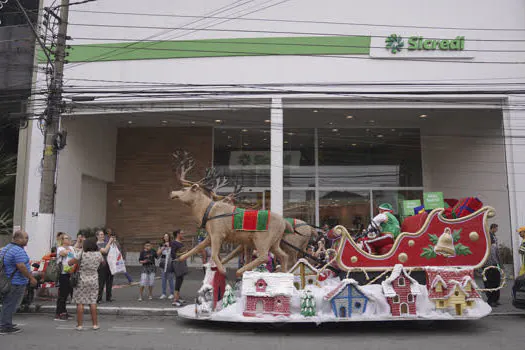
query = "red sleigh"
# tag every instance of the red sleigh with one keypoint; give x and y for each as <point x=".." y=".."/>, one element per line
<point x="440" y="242"/>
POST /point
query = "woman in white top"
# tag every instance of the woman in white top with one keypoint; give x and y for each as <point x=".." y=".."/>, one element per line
<point x="165" y="266"/>
<point x="65" y="253"/>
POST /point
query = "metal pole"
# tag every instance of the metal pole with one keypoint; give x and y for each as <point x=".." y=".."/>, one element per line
<point x="48" y="185"/>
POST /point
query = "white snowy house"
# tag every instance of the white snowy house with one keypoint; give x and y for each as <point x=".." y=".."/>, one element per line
<point x="304" y="274"/>
<point x="348" y="299"/>
<point x="267" y="293"/>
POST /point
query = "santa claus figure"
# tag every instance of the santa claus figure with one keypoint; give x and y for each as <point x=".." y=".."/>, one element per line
<point x="382" y="232"/>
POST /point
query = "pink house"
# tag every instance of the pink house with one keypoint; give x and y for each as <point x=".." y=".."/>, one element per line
<point x="267" y="293"/>
<point x="401" y="292"/>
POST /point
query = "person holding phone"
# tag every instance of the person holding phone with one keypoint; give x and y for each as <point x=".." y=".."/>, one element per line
<point x="165" y="266"/>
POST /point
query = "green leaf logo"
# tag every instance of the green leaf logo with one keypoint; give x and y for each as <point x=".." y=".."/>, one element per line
<point x="394" y="43"/>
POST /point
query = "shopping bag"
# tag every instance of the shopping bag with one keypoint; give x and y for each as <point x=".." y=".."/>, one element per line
<point x="115" y="260"/>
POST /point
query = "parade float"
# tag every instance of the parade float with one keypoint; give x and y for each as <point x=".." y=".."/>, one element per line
<point x="445" y="246"/>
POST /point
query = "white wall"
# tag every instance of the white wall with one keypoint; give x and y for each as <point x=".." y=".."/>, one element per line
<point x="85" y="166"/>
<point x="383" y="15"/>
<point x="464" y="156"/>
<point x="93" y="201"/>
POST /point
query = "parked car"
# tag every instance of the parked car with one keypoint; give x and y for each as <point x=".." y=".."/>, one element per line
<point x="518" y="292"/>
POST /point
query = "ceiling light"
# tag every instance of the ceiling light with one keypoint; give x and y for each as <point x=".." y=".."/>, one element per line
<point x="380" y="135"/>
<point x="192" y="122"/>
<point x="228" y="146"/>
<point x="315" y="111"/>
<point x="335" y="130"/>
<point x="330" y="123"/>
<point x="245" y="144"/>
<point x="423" y="116"/>
<point x="223" y="132"/>
<point x="229" y="137"/>
<point x="267" y="121"/>
<point x="164" y="122"/>
<point x="349" y="117"/>
<point x="218" y="121"/>
<point x="265" y="139"/>
<point x="291" y="134"/>
<point x="285" y="142"/>
<point x="367" y="130"/>
<point x="392" y="129"/>
<point x="354" y="144"/>
<point x="244" y="130"/>
<point x="130" y="122"/>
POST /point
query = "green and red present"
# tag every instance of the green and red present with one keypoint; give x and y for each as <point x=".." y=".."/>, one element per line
<point x="466" y="206"/>
<point x="250" y="220"/>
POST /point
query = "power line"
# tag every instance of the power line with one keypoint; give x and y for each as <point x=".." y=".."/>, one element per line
<point x="305" y="21"/>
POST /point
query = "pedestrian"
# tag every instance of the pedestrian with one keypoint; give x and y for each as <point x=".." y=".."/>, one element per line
<point x="147" y="276"/>
<point x="521" y="250"/>
<point x="180" y="268"/>
<point x="86" y="292"/>
<point x="492" y="275"/>
<point x="65" y="253"/>
<point x="165" y="266"/>
<point x="16" y="267"/>
<point x="105" y="278"/>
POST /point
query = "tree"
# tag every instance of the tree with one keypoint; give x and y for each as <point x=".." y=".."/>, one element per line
<point x="307" y="304"/>
<point x="229" y="297"/>
<point x="7" y="187"/>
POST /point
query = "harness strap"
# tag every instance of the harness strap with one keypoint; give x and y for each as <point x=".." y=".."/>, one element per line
<point x="206" y="218"/>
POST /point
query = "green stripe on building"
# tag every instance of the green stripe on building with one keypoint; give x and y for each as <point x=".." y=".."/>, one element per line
<point x="305" y="45"/>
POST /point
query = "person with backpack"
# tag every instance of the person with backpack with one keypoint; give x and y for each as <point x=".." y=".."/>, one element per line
<point x="14" y="276"/>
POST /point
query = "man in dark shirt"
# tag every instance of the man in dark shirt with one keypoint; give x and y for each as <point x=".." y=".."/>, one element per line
<point x="493" y="276"/>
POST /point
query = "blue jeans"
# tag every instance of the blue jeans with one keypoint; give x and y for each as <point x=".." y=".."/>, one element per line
<point x="10" y="303"/>
<point x="167" y="277"/>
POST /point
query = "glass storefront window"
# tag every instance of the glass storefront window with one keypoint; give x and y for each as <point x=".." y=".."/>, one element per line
<point x="395" y="198"/>
<point x="371" y="157"/>
<point x="299" y="157"/>
<point x="243" y="154"/>
<point x="299" y="205"/>
<point x="348" y="208"/>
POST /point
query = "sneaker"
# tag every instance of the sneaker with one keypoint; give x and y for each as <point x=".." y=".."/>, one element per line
<point x="62" y="317"/>
<point x="163" y="296"/>
<point x="12" y="330"/>
<point x="176" y="303"/>
<point x="140" y="299"/>
<point x="150" y="298"/>
<point x="170" y="297"/>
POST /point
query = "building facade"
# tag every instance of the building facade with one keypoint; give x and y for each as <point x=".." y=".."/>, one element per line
<point x="322" y="112"/>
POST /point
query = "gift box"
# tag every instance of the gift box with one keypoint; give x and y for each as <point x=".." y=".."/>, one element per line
<point x="419" y="210"/>
<point x="466" y="206"/>
<point x="448" y="213"/>
<point x="451" y="202"/>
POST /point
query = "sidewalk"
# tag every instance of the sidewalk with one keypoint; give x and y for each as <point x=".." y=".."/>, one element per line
<point x="126" y="296"/>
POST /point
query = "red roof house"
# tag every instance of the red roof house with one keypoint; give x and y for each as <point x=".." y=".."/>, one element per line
<point x="401" y="292"/>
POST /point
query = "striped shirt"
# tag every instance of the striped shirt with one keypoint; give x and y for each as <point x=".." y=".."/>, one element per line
<point x="15" y="255"/>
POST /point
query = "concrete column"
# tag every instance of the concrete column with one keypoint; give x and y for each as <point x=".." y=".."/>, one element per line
<point x="514" y="136"/>
<point x="276" y="150"/>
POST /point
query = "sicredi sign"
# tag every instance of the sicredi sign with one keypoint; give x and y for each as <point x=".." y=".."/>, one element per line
<point x="395" y="43"/>
<point x="420" y="46"/>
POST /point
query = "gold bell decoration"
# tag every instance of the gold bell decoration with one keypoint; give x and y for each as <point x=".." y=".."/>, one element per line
<point x="445" y="244"/>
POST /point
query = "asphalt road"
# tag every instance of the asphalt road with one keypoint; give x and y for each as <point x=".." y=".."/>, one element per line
<point x="41" y="332"/>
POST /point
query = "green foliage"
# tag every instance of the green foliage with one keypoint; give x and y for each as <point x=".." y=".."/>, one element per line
<point x="433" y="238"/>
<point x="456" y="235"/>
<point x="462" y="249"/>
<point x="429" y="252"/>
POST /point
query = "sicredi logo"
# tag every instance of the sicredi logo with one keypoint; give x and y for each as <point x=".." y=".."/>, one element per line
<point x="395" y="43"/>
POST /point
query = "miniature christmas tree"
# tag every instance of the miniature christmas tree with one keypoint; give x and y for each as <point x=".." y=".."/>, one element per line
<point x="307" y="304"/>
<point x="229" y="297"/>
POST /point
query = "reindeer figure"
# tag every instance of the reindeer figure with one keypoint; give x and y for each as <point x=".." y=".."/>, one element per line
<point x="216" y="218"/>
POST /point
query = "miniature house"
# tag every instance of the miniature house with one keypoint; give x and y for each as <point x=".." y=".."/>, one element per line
<point x="348" y="299"/>
<point x="401" y="292"/>
<point x="267" y="293"/>
<point x="452" y="289"/>
<point x="304" y="274"/>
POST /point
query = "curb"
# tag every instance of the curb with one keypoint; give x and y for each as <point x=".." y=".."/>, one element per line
<point x="107" y="310"/>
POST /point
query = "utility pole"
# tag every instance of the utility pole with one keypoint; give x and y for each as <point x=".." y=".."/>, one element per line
<point x="52" y="120"/>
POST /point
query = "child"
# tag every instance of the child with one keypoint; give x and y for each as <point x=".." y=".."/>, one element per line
<point x="147" y="277"/>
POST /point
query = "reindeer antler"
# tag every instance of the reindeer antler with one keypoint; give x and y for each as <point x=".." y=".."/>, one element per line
<point x="237" y="189"/>
<point x="184" y="162"/>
